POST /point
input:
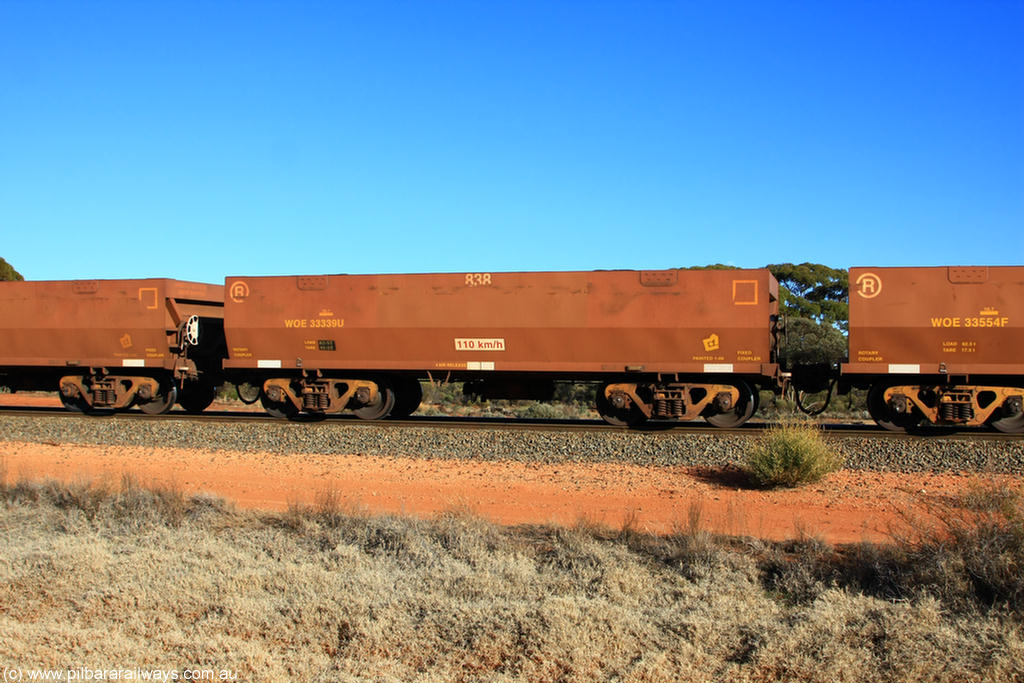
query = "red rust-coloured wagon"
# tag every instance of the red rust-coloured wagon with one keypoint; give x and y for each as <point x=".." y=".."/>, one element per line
<point x="941" y="345"/>
<point x="664" y="344"/>
<point x="114" y="343"/>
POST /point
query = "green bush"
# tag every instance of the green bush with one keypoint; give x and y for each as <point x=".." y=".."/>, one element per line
<point x="7" y="271"/>
<point x="791" y="454"/>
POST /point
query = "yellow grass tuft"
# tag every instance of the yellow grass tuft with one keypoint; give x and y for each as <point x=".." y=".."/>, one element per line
<point x="791" y="454"/>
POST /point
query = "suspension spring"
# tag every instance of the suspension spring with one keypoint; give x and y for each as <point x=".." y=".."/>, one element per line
<point x="956" y="412"/>
<point x="315" y="401"/>
<point x="103" y="397"/>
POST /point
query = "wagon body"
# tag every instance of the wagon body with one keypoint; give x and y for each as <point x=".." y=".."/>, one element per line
<point x="955" y="320"/>
<point x="939" y="345"/>
<point x="99" y="323"/>
<point x="114" y="343"/>
<point x="567" y="323"/>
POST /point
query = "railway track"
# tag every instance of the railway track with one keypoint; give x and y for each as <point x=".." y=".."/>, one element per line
<point x="500" y="440"/>
<point x="513" y="424"/>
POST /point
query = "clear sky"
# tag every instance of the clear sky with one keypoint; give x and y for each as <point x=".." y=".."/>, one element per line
<point x="202" y="139"/>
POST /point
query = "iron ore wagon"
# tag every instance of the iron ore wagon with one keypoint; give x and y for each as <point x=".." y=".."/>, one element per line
<point x="939" y="345"/>
<point x="114" y="343"/>
<point x="675" y="344"/>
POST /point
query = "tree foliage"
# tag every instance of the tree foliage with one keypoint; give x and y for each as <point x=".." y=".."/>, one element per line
<point x="7" y="271"/>
<point x="814" y="292"/>
<point x="815" y="313"/>
<point x="803" y="341"/>
<point x="714" y="266"/>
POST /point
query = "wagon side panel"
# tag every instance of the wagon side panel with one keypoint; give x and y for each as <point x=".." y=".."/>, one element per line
<point x="578" y="322"/>
<point x="957" y="320"/>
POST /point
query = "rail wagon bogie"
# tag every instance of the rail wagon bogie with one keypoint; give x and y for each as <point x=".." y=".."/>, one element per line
<point x="112" y="344"/>
<point x="677" y="344"/>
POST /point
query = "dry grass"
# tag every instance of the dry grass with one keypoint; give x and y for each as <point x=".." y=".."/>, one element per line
<point x="791" y="454"/>
<point x="123" y="575"/>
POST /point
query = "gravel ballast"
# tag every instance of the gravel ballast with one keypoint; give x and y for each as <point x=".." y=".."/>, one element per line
<point x="672" y="447"/>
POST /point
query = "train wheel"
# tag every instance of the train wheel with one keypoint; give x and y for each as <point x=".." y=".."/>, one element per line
<point x="161" y="403"/>
<point x="71" y="398"/>
<point x="1010" y="425"/>
<point x="382" y="407"/>
<point x="75" y="404"/>
<point x="408" y="396"/>
<point x="279" y="409"/>
<point x="884" y="416"/>
<point x="247" y="393"/>
<point x="744" y="409"/>
<point x="195" y="397"/>
<point x="630" y="416"/>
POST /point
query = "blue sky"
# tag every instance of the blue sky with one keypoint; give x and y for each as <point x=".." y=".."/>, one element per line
<point x="198" y="140"/>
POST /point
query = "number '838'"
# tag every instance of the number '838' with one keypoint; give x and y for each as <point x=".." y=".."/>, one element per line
<point x="477" y="279"/>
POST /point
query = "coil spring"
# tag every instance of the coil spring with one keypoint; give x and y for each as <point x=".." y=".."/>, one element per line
<point x="956" y="412"/>
<point x="103" y="397"/>
<point x="315" y="401"/>
<point x="669" y="407"/>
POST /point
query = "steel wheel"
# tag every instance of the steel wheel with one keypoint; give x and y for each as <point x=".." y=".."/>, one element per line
<point x="382" y="407"/>
<point x="255" y="393"/>
<point x="195" y="397"/>
<point x="407" y="399"/>
<point x="161" y="403"/>
<point x="630" y="416"/>
<point x="884" y="416"/>
<point x="75" y="404"/>
<point x="744" y="409"/>
<point x="1010" y="425"/>
<point x="279" y="409"/>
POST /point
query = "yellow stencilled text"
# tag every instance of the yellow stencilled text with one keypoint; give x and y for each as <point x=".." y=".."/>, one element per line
<point x="315" y="323"/>
<point x="979" y="321"/>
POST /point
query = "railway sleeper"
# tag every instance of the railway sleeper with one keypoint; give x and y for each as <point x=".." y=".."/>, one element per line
<point x="957" y="405"/>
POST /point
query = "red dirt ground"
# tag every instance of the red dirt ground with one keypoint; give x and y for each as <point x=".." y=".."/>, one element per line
<point x="849" y="506"/>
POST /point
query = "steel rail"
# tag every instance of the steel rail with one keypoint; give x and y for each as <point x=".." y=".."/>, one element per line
<point x="654" y="428"/>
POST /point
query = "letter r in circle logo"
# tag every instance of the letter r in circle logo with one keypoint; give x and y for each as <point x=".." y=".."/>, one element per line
<point x="239" y="291"/>
<point x="869" y="285"/>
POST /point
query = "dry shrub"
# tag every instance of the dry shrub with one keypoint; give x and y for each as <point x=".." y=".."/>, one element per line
<point x="294" y="518"/>
<point x="791" y="454"/>
<point x="330" y="513"/>
<point x="969" y="552"/>
<point x="131" y="503"/>
<point x="694" y="550"/>
<point x="156" y="502"/>
<point x="463" y="534"/>
<point x="329" y="507"/>
<point x="798" y="572"/>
